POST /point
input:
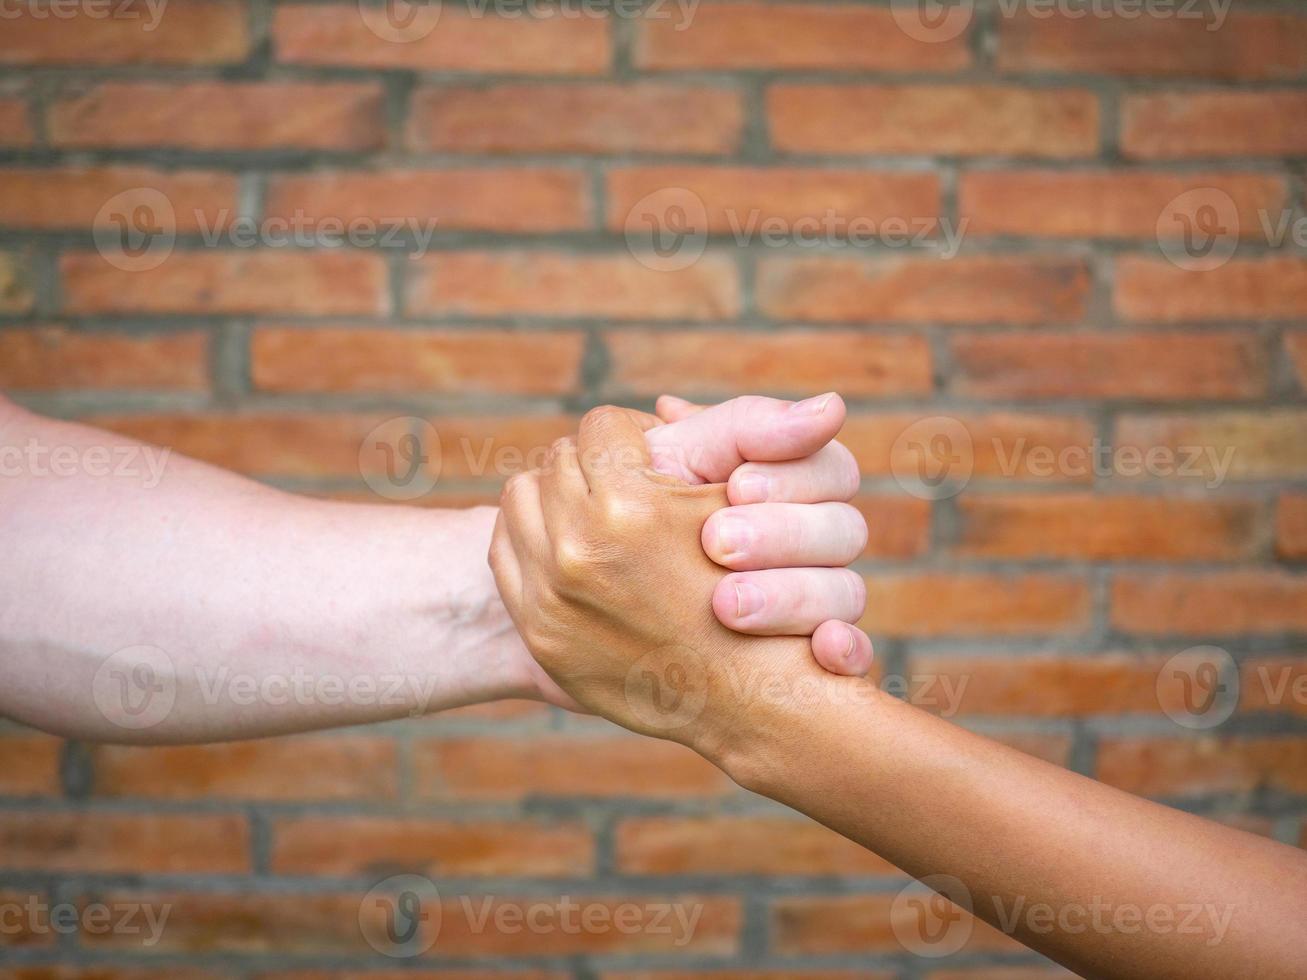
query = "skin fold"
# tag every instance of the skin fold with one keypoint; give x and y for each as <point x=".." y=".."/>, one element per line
<point x="598" y="558"/>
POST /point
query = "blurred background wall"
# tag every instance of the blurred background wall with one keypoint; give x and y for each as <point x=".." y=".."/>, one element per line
<point x="1053" y="255"/>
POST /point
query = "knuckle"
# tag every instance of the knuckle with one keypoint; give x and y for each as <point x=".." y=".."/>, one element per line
<point x="572" y="560"/>
<point x="848" y="478"/>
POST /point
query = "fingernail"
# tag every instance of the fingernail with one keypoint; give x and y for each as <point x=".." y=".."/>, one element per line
<point x="853" y="644"/>
<point x="748" y="599"/>
<point x="812" y="406"/>
<point x="734" y="536"/>
<point x="752" y="488"/>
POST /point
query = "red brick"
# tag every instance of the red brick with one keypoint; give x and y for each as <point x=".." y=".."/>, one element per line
<point x="29" y="765"/>
<point x="938" y="604"/>
<point x="1037" y="686"/>
<point x="1273" y="684"/>
<point x="1295" y="346"/>
<point x="210" y="32"/>
<point x="556" y="284"/>
<point x="15" y="284"/>
<point x="15" y="129"/>
<point x="494" y="448"/>
<point x="305" y="768"/>
<point x="1178" y="125"/>
<point x="1003" y="445"/>
<point x="1156" y="291"/>
<point x="897" y="526"/>
<point x="738" y="199"/>
<point x="1249" y="445"/>
<point x="1291" y="526"/>
<point x="207" y="283"/>
<point x="1107" y="528"/>
<point x="520" y="200"/>
<point x="71" y="198"/>
<point x="791" y="36"/>
<point x="54" y="357"/>
<point x="104" y="843"/>
<point x="1158" y="366"/>
<point x="1209" y="764"/>
<point x="1247" y="45"/>
<point x="790" y="362"/>
<point x="1226" y="603"/>
<point x="221" y="115"/>
<point x="603" y="118"/>
<point x="818" y="925"/>
<point x="460" y="41"/>
<point x="739" y="845"/>
<point x="359" y="846"/>
<point x="559" y="765"/>
<point x="62" y="972"/>
<point x="362" y="359"/>
<point x="999" y="289"/>
<point x="1102" y="204"/>
<point x="952" y="120"/>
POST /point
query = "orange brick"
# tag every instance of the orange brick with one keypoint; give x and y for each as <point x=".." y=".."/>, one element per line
<point x="479" y="199"/>
<point x="454" y="973"/>
<point x="460" y="41"/>
<point x="1209" y="764"/>
<point x="897" y="526"/>
<point x="27" y="922"/>
<point x="1002" y="444"/>
<point x="1247" y="45"/>
<point x="555" y="284"/>
<point x="739" y="845"/>
<point x="350" y="359"/>
<point x="939" y="604"/>
<point x="15" y="129"/>
<point x="104" y="843"/>
<point x="15" y="284"/>
<point x="790" y="362"/>
<point x="738" y="200"/>
<point x="210" y="32"/>
<point x="29" y="765"/>
<point x="1157" y="366"/>
<point x="1103" y="204"/>
<point x="1154" y="290"/>
<point x="63" y="972"/>
<point x="356" y="846"/>
<point x="999" y="289"/>
<point x="71" y="198"/>
<point x="558" y="765"/>
<point x="851" y="924"/>
<point x="1179" y="125"/>
<point x="54" y="357"/>
<point x="952" y="120"/>
<point x="305" y="768"/>
<point x="1037" y="686"/>
<point x="494" y="448"/>
<point x="603" y="118"/>
<point x="1107" y="528"/>
<point x="1211" y="447"/>
<point x="1274" y="685"/>
<point x="1291" y="526"/>
<point x="208" y="283"/>
<point x="1226" y="603"/>
<point x="791" y="36"/>
<point x="221" y="115"/>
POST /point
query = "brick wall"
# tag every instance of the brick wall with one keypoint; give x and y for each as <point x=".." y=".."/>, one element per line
<point x="1116" y="412"/>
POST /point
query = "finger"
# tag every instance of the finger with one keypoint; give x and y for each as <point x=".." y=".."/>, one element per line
<point x="519" y="510"/>
<point x="842" y="649"/>
<point x="612" y="447"/>
<point x="831" y="473"/>
<point x="785" y="535"/>
<point x="562" y="485"/>
<point x="670" y="408"/>
<point x="504" y="565"/>
<point x="712" y="443"/>
<point x="788" y="601"/>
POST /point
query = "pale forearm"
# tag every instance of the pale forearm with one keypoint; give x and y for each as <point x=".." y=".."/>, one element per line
<point x="274" y="613"/>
